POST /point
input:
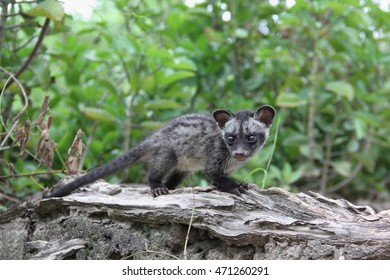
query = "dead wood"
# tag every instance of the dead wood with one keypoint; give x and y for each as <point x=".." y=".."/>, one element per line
<point x="106" y="221"/>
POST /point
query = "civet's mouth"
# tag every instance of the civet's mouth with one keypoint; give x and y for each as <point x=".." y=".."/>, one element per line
<point x="240" y="156"/>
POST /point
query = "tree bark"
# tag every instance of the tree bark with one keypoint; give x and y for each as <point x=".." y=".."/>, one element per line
<point x="106" y="221"/>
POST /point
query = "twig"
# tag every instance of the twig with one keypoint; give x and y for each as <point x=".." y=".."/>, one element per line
<point x="21" y="47"/>
<point x="189" y="227"/>
<point x="27" y="63"/>
<point x="15" y="14"/>
<point x="1" y="110"/>
<point x="32" y="174"/>
<point x="19" y="115"/>
<point x="18" y="26"/>
<point x="3" y="26"/>
<point x="36" y="183"/>
<point x="9" y="197"/>
<point x="149" y="251"/>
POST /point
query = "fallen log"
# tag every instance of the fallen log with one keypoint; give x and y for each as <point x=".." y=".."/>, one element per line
<point x="105" y="221"/>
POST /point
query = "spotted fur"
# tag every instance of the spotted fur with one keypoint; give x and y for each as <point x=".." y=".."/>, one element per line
<point x="216" y="144"/>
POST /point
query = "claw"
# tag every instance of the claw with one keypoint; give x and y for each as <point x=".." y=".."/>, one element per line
<point x="244" y="187"/>
<point x="159" y="191"/>
<point x="241" y="188"/>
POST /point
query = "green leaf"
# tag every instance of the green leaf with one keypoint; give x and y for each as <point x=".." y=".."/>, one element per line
<point x="97" y="114"/>
<point x="148" y="84"/>
<point x="344" y="168"/>
<point x="353" y="146"/>
<point x="135" y="43"/>
<point x="275" y="172"/>
<point x="182" y="63"/>
<point x="254" y="83"/>
<point x="357" y="17"/>
<point x="290" y="100"/>
<point x="368" y="118"/>
<point x="213" y="35"/>
<point x="153" y="52"/>
<point x="337" y="7"/>
<point x="316" y="153"/>
<point x="87" y="30"/>
<point x="289" y="175"/>
<point x="290" y="20"/>
<point x="162" y="105"/>
<point x="266" y="10"/>
<point x="369" y="161"/>
<point x="177" y="76"/>
<point x="177" y="21"/>
<point x="153" y="125"/>
<point x="294" y="139"/>
<point x="107" y="84"/>
<point x="310" y="170"/>
<point x="50" y="9"/>
<point x="360" y="128"/>
<point x="341" y="89"/>
<point x="241" y="33"/>
<point x="42" y="74"/>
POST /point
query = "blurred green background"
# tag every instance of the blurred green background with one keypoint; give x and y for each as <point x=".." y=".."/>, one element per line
<point x="126" y="68"/>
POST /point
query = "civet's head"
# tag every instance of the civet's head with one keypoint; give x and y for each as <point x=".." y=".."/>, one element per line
<point x="245" y="132"/>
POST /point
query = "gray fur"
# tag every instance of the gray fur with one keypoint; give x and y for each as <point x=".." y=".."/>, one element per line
<point x="189" y="143"/>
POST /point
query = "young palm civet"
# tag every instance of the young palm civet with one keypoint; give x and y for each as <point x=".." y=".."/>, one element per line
<point x="217" y="144"/>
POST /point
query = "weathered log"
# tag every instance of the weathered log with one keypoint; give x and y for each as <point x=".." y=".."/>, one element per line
<point x="106" y="221"/>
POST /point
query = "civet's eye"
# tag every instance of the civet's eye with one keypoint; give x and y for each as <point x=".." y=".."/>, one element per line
<point x="230" y="139"/>
<point x="252" y="138"/>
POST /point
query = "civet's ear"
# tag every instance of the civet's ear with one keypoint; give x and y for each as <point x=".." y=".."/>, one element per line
<point x="222" y="117"/>
<point x="265" y="114"/>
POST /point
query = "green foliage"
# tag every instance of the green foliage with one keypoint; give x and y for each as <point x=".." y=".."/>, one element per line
<point x="49" y="9"/>
<point x="136" y="64"/>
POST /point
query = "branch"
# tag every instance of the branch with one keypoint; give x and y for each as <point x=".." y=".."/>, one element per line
<point x="18" y="26"/>
<point x="25" y="44"/>
<point x="9" y="197"/>
<point x="27" y="63"/>
<point x="3" y="26"/>
<point x="31" y="174"/>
